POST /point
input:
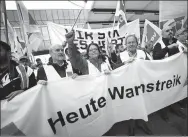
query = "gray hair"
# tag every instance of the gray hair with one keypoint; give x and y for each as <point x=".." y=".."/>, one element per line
<point x="53" y="47"/>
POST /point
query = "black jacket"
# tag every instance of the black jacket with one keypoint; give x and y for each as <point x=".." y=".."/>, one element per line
<point x="159" y="53"/>
<point x="15" y="81"/>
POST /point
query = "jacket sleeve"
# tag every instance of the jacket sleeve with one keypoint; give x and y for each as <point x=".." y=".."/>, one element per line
<point x="158" y="52"/>
<point x="77" y="61"/>
<point x="41" y="75"/>
<point x="32" y="80"/>
<point x="115" y="61"/>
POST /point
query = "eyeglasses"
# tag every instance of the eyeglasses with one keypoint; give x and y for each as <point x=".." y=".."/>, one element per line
<point x="131" y="42"/>
<point x="93" y="49"/>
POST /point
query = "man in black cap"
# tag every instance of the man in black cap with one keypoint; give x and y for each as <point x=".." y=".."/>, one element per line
<point x="12" y="74"/>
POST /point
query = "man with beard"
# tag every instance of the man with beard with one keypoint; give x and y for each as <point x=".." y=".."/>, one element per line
<point x="167" y="47"/>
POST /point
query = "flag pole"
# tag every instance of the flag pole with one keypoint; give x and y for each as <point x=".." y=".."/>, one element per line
<point x="114" y="24"/>
<point x="117" y="10"/>
<point x="25" y="36"/>
<point x="5" y="18"/>
<point x="6" y="30"/>
<point x="79" y="15"/>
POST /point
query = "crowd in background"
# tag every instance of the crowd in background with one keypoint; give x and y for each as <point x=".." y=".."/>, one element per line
<point x="19" y="75"/>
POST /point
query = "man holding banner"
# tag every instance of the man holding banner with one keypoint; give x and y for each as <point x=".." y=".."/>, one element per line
<point x="132" y="51"/>
<point x="59" y="68"/>
<point x="166" y="47"/>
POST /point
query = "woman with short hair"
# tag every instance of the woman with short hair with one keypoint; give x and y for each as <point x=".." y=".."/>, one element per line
<point x="94" y="63"/>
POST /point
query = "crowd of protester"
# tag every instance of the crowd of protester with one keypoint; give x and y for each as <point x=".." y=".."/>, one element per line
<point x="18" y="76"/>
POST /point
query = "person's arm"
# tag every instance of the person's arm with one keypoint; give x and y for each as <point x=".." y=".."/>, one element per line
<point x="32" y="80"/>
<point x="114" y="57"/>
<point x="116" y="61"/>
<point x="158" y="52"/>
<point x="41" y="75"/>
<point x="77" y="61"/>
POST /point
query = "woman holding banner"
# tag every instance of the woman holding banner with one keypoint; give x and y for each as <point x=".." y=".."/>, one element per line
<point x="95" y="62"/>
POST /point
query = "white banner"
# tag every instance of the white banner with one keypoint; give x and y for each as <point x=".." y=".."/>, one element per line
<point x="83" y="37"/>
<point x="90" y="105"/>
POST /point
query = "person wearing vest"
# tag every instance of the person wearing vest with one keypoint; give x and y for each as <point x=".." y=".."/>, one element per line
<point x="58" y="68"/>
<point x="129" y="56"/>
<point x="132" y="50"/>
<point x="31" y="80"/>
<point x="13" y="76"/>
<point x="166" y="47"/>
<point x="94" y="63"/>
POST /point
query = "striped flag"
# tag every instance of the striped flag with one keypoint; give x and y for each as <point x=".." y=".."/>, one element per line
<point x="32" y="34"/>
<point x="120" y="13"/>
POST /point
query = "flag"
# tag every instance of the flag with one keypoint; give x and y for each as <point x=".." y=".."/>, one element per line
<point x="120" y="13"/>
<point x="16" y="49"/>
<point x="88" y="26"/>
<point x="151" y="33"/>
<point x="32" y="34"/>
<point x="3" y="16"/>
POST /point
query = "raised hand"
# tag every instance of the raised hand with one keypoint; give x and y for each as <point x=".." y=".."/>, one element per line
<point x="70" y="37"/>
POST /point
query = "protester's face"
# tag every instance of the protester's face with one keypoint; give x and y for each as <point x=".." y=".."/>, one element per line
<point x="67" y="53"/>
<point x="39" y="62"/>
<point x="121" y="48"/>
<point x="24" y="62"/>
<point x="131" y="44"/>
<point x="182" y="37"/>
<point x="3" y="54"/>
<point x="93" y="51"/>
<point x="150" y="46"/>
<point x="58" y="53"/>
<point x="167" y="32"/>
